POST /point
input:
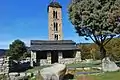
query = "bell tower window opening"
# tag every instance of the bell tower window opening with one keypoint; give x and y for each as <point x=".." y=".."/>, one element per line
<point x="54" y="13"/>
<point x="56" y="37"/>
<point x="56" y="27"/>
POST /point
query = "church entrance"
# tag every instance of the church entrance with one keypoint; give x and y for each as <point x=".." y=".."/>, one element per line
<point x="54" y="57"/>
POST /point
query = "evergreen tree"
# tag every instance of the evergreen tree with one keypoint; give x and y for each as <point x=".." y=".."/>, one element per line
<point x="16" y="49"/>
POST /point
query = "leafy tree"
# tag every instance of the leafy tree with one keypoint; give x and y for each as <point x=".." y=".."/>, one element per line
<point x="89" y="51"/>
<point x="85" y="50"/>
<point x="98" y="20"/>
<point x="16" y="49"/>
<point x="94" y="51"/>
<point x="113" y="49"/>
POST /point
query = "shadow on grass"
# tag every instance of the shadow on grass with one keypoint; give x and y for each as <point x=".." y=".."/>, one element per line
<point x="68" y="76"/>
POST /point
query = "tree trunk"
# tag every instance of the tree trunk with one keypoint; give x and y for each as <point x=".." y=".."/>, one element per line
<point x="102" y="52"/>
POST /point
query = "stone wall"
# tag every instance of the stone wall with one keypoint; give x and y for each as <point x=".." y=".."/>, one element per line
<point x="52" y="21"/>
<point x="4" y="65"/>
<point x="62" y="60"/>
<point x="76" y="59"/>
<point x="33" y="58"/>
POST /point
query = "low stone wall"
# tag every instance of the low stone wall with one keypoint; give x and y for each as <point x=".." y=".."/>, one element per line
<point x="61" y="61"/>
<point x="4" y="65"/>
<point x="43" y="62"/>
<point x="67" y="60"/>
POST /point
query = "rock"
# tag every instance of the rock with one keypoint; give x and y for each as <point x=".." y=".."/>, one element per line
<point x="55" y="72"/>
<point x="87" y="68"/>
<point x="22" y="75"/>
<point x="17" y="76"/>
<point x="14" y="74"/>
<point x="28" y="74"/>
<point x="108" y="65"/>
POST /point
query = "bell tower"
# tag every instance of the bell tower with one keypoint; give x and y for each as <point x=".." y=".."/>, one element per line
<point x="55" y="21"/>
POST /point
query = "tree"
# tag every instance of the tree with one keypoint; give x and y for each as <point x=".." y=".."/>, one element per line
<point x="94" y="51"/>
<point x="89" y="51"/>
<point x="98" y="20"/>
<point x="113" y="49"/>
<point x="85" y="50"/>
<point x="16" y="49"/>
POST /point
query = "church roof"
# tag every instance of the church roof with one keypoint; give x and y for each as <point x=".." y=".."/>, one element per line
<point x="39" y="42"/>
<point x="55" y="4"/>
<point x="42" y="45"/>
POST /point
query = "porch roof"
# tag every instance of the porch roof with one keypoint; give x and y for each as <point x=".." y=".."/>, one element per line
<point x="42" y="45"/>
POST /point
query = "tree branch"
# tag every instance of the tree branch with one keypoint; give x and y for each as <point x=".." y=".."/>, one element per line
<point x="96" y="40"/>
<point x="92" y="38"/>
<point x="108" y="40"/>
<point x="104" y="38"/>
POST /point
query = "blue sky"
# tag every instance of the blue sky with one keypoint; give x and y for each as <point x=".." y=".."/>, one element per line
<point x="28" y="20"/>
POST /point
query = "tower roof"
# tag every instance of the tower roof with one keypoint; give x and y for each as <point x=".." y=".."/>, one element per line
<point x="55" y="4"/>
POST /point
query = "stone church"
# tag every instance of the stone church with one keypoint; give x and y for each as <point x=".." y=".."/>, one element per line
<point x="54" y="50"/>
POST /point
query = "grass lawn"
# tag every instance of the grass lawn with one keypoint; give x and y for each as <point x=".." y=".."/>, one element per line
<point x="80" y="65"/>
<point x="102" y="76"/>
<point x="97" y="76"/>
<point x="108" y="76"/>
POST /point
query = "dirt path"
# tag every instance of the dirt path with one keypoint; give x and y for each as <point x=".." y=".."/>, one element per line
<point x="84" y="77"/>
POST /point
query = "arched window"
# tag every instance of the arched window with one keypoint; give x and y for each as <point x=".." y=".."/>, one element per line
<point x="55" y="26"/>
<point x="56" y="29"/>
<point x="56" y="37"/>
<point x="54" y="14"/>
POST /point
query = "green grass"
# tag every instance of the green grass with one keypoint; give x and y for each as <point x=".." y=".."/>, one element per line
<point x="107" y="76"/>
<point x="103" y="76"/>
<point x="80" y="65"/>
<point x="100" y="76"/>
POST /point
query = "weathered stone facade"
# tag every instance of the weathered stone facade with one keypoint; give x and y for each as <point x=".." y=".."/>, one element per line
<point x="61" y="60"/>
<point x="48" y="58"/>
<point x="54" y="50"/>
<point x="33" y="58"/>
<point x="55" y="23"/>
